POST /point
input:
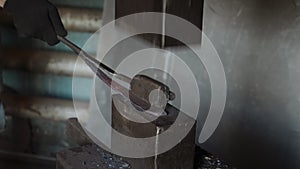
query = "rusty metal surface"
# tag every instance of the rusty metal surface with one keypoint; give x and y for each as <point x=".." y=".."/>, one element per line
<point x="89" y="157"/>
<point x="36" y="107"/>
<point x="203" y="160"/>
<point x="143" y="85"/>
<point x="76" y="133"/>
<point x="180" y="156"/>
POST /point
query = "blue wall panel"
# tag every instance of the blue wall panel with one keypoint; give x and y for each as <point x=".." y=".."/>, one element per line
<point x="47" y="85"/>
<point x="10" y="39"/>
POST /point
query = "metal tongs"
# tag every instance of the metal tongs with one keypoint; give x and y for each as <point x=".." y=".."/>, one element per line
<point x="104" y="72"/>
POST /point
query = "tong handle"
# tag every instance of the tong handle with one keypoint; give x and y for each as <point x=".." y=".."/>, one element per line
<point x="94" y="63"/>
<point x="84" y="55"/>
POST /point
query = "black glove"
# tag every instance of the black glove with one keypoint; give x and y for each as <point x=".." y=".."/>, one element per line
<point x="36" y="18"/>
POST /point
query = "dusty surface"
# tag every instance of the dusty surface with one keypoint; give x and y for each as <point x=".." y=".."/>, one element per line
<point x="89" y="157"/>
<point x="204" y="160"/>
<point x="92" y="157"/>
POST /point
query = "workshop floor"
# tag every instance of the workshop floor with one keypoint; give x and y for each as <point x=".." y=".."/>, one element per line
<point x="13" y="160"/>
<point x="203" y="161"/>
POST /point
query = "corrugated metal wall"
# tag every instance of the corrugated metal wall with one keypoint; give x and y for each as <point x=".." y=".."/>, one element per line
<point x="38" y="97"/>
<point x="33" y="68"/>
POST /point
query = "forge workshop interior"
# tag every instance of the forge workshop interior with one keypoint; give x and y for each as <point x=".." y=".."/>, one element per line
<point x="149" y="84"/>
